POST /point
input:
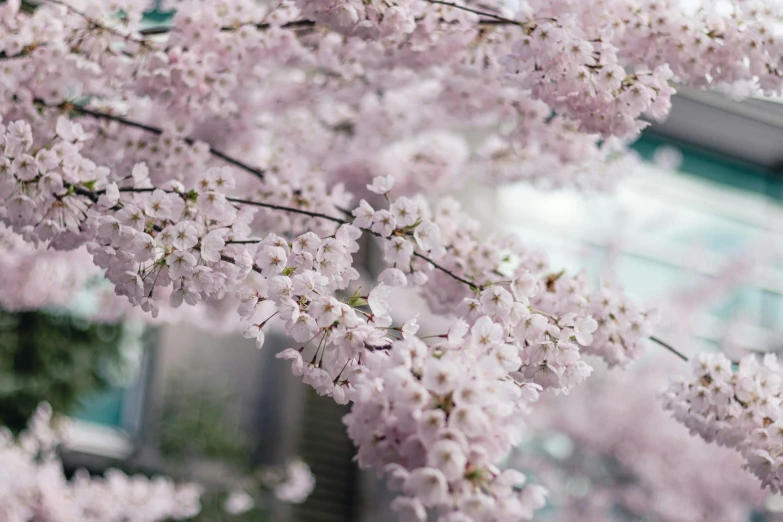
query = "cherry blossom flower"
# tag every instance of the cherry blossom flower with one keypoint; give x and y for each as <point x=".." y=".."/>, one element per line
<point x="381" y="185"/>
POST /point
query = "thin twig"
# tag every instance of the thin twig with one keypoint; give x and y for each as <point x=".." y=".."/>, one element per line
<point x="99" y="25"/>
<point x="93" y="196"/>
<point x="152" y="130"/>
<point x="475" y="11"/>
<point x="669" y="347"/>
<point x="448" y="272"/>
<point x="227" y="259"/>
<point x="343" y="222"/>
<point x="288" y="209"/>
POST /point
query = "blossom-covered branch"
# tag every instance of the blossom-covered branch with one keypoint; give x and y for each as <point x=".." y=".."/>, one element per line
<point x="524" y="329"/>
<point x="374" y="100"/>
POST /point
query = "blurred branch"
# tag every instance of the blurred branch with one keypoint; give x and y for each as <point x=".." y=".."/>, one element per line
<point x="670" y="348"/>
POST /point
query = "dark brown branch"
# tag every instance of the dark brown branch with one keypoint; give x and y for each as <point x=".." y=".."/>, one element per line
<point x="343" y="222"/>
<point x="308" y="24"/>
<point x="25" y="53"/>
<point x="93" y="196"/>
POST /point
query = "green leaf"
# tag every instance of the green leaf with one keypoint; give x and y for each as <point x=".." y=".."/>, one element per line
<point x="410" y="228"/>
<point x="357" y="301"/>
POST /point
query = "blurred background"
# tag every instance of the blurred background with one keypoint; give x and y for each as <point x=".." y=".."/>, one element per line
<point x="695" y="231"/>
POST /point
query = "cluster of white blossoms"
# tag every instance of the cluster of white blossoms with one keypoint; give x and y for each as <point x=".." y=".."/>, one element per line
<point x="518" y="285"/>
<point x="33" y="486"/>
<point x="369" y="19"/>
<point x="436" y="419"/>
<point x="622" y="326"/>
<point x="554" y="78"/>
<point x="735" y="405"/>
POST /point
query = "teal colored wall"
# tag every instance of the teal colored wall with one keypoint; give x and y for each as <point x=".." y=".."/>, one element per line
<point x="715" y="167"/>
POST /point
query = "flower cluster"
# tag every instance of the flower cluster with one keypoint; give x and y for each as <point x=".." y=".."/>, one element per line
<point x="437" y="418"/>
<point x="33" y="485"/>
<point x="735" y="407"/>
<point x="604" y="65"/>
<point x="587" y="82"/>
<point x="371" y="19"/>
<point x="622" y="326"/>
<point x="521" y="288"/>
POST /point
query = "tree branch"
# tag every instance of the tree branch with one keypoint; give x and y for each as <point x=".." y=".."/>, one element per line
<point x="233" y="262"/>
<point x="496" y="17"/>
<point x="669" y="347"/>
<point x="448" y="272"/>
<point x="289" y="209"/>
<point x="66" y="106"/>
<point x="99" y="25"/>
<point x="93" y="196"/>
<point x="25" y="53"/>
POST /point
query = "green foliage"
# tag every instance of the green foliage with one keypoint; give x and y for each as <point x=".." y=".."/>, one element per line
<point x="197" y="433"/>
<point x="194" y="426"/>
<point x="51" y="357"/>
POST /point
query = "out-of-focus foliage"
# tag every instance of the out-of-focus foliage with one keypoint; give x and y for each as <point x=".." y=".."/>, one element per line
<point x="194" y="426"/>
<point x="197" y="437"/>
<point x="52" y="357"/>
<point x="200" y="441"/>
